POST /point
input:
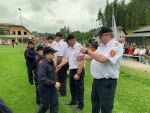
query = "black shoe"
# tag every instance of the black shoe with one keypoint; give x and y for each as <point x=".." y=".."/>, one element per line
<point x="71" y="103"/>
<point x="38" y="102"/>
<point x="77" y="110"/>
<point x="31" y="83"/>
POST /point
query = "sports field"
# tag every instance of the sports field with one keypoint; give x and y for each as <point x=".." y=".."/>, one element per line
<point x="132" y="95"/>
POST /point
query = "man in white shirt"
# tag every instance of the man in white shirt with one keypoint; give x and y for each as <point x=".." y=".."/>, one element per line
<point x="105" y="67"/>
<point x="51" y="42"/>
<point x="62" y="49"/>
<point x="77" y="73"/>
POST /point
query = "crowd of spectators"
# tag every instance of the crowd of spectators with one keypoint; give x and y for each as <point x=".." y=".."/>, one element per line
<point x="137" y="53"/>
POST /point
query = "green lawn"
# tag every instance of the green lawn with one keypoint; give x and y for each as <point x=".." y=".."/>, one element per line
<point x="132" y="96"/>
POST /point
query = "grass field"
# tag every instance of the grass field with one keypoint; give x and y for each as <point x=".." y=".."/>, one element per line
<point x="132" y="95"/>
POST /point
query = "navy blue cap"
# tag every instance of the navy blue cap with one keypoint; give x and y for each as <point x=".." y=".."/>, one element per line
<point x="104" y="30"/>
<point x="49" y="50"/>
<point x="39" y="47"/>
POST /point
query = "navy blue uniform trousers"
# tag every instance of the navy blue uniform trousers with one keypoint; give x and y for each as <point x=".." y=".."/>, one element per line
<point x="77" y="88"/>
<point x="37" y="86"/>
<point x="103" y="93"/>
<point x="62" y="77"/>
<point x="48" y="99"/>
<point x="30" y="68"/>
<point x="4" y="108"/>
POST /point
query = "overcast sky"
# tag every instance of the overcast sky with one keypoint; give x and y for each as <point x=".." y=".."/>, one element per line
<point x="51" y="15"/>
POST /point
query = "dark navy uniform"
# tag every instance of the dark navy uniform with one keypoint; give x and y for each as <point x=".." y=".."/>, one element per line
<point x="30" y="58"/>
<point x="4" y="108"/>
<point x="48" y="92"/>
<point x="37" y="60"/>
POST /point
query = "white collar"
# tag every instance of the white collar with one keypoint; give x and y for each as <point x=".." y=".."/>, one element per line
<point x="109" y="43"/>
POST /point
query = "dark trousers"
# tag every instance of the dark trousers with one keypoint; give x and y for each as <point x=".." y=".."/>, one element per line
<point x="62" y="77"/>
<point x="4" y="108"/>
<point x="48" y="99"/>
<point x="37" y="86"/>
<point x="30" y="69"/>
<point x="77" y="88"/>
<point x="103" y="93"/>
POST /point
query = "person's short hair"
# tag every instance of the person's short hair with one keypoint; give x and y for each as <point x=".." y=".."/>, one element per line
<point x="70" y="36"/>
<point x="30" y="42"/>
<point x="94" y="44"/>
<point x="50" y="37"/>
<point x="58" y="34"/>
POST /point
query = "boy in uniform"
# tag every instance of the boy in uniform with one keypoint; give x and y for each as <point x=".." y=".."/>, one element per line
<point x="48" y="84"/>
<point x="38" y="58"/>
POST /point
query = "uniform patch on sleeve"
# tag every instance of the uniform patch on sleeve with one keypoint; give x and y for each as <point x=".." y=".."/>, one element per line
<point x="112" y="53"/>
<point x="41" y="62"/>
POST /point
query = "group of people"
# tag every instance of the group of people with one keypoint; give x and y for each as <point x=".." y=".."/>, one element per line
<point x="47" y="64"/>
<point x="134" y="50"/>
<point x="137" y="54"/>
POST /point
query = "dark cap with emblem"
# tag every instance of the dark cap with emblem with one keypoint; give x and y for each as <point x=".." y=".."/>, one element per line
<point x="39" y="47"/>
<point x="70" y="36"/>
<point x="104" y="30"/>
<point x="47" y="50"/>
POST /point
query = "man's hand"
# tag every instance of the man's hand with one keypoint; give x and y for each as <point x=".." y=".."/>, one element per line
<point x="58" y="67"/>
<point x="83" y="50"/>
<point x="76" y="77"/>
<point x="79" y="57"/>
<point x="57" y="85"/>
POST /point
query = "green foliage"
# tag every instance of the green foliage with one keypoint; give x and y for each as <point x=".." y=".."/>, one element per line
<point x="130" y="16"/>
<point x="42" y="35"/>
<point x="65" y="31"/>
<point x="84" y="37"/>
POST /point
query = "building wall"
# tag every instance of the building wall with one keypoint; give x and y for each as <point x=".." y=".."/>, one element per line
<point x="14" y="32"/>
<point x="18" y="31"/>
<point x="140" y="41"/>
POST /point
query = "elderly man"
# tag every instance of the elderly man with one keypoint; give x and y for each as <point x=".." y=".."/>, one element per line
<point x="105" y="70"/>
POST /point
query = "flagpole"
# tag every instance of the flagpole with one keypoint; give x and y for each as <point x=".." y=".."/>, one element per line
<point x="114" y="26"/>
<point x="21" y="24"/>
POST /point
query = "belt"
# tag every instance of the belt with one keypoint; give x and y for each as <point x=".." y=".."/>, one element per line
<point x="105" y="79"/>
<point x="73" y="69"/>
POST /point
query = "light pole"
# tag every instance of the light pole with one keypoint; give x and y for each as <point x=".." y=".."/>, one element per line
<point x="20" y="24"/>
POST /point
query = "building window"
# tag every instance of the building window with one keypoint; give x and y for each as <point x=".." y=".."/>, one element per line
<point x="25" y="33"/>
<point x="13" y="32"/>
<point x="19" y="32"/>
